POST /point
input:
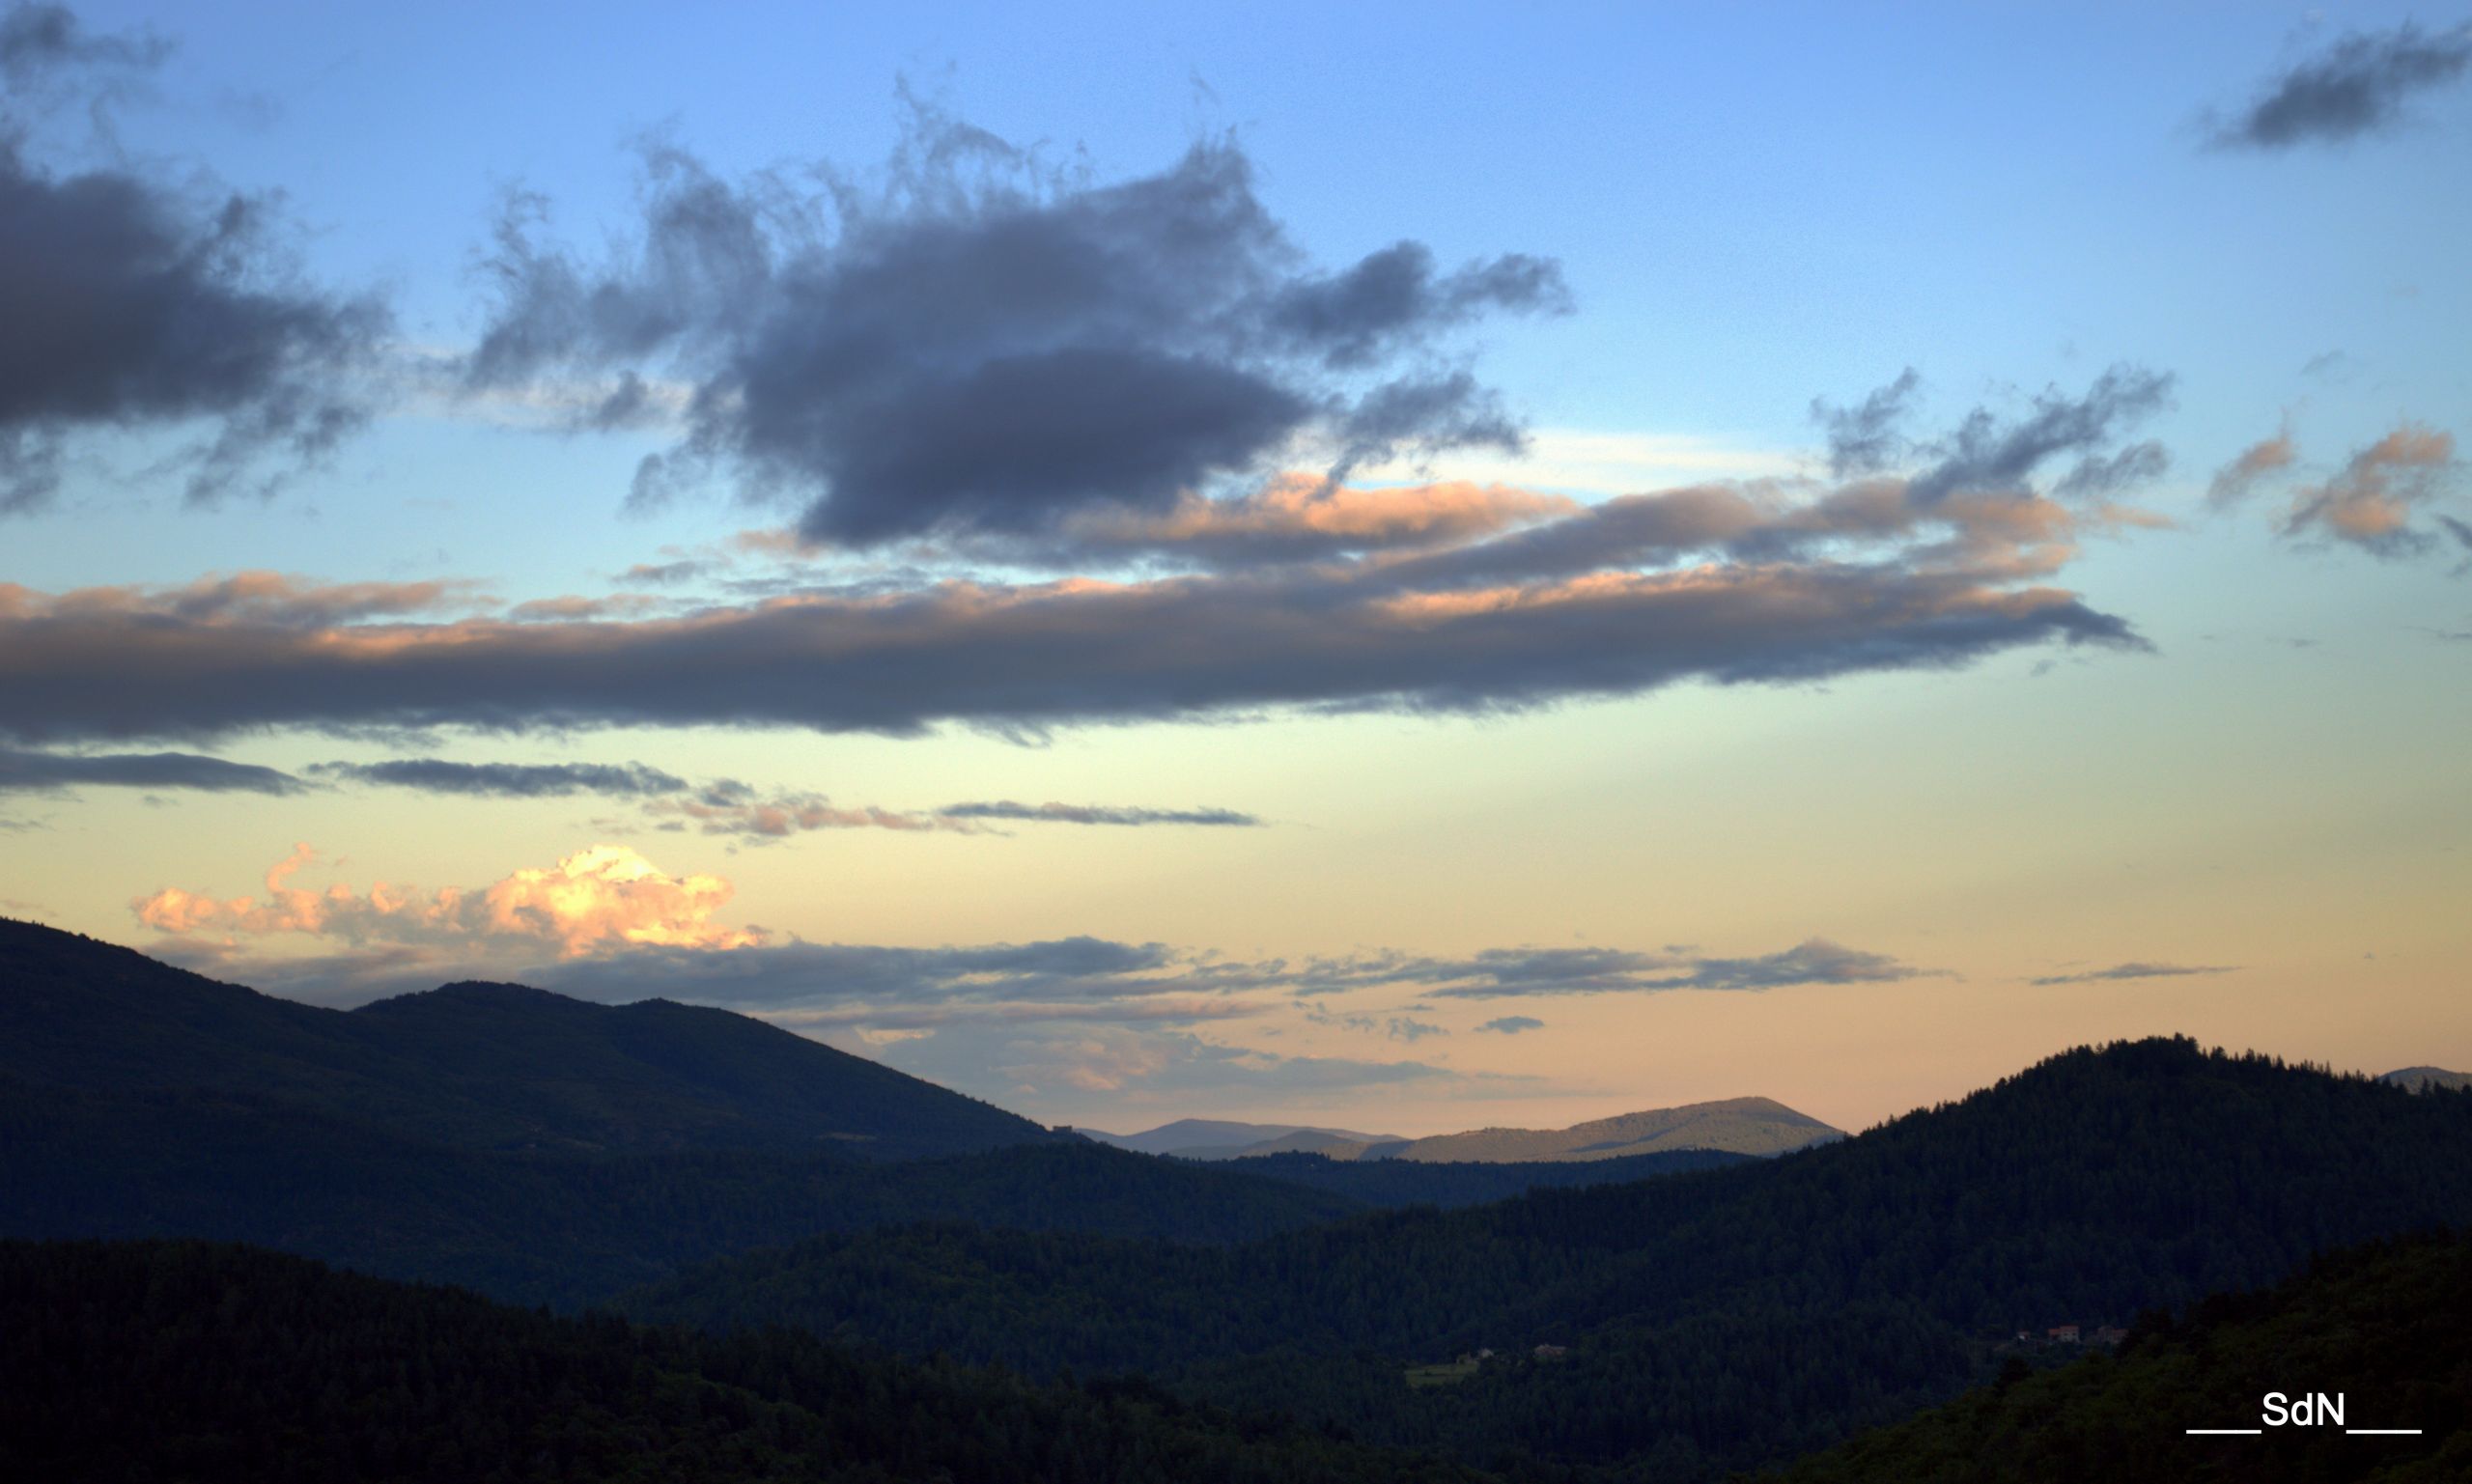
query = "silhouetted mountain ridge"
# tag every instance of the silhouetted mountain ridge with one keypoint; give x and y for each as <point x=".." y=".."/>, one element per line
<point x="471" y="1064"/>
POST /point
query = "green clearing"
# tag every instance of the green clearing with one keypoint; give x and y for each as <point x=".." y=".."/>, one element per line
<point x="1450" y="1375"/>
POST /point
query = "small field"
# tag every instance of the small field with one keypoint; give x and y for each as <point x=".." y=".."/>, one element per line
<point x="1450" y="1375"/>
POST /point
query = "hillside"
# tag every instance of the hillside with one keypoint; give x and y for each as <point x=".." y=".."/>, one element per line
<point x="1718" y="1320"/>
<point x="2382" y="1327"/>
<point x="2422" y="1078"/>
<point x="1216" y="1138"/>
<point x="209" y="1365"/>
<point x="1389" y="1183"/>
<point x="472" y="1065"/>
<point x="556" y="1229"/>
<point x="1756" y="1126"/>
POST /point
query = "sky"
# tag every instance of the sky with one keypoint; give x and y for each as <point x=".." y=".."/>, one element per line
<point x="1407" y="568"/>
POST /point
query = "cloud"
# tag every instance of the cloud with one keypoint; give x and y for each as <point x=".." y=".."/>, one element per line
<point x="1865" y="438"/>
<point x="729" y="807"/>
<point x="1512" y="1024"/>
<point x="23" y="771"/>
<point x="593" y="901"/>
<point x="2258" y="462"/>
<point x="1401" y="1027"/>
<point x="1991" y="454"/>
<point x="2371" y="501"/>
<point x="507" y="780"/>
<point x="2358" y="86"/>
<point x="2137" y="972"/>
<point x="982" y="343"/>
<point x="134" y="305"/>
<point x="1761" y="583"/>
<point x="1500" y="973"/>
<point x="1094" y="814"/>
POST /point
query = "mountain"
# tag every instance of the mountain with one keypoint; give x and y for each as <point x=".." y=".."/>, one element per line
<point x="1726" y="1319"/>
<point x="483" y="1066"/>
<point x="1393" y="1183"/>
<point x="227" y="1365"/>
<point x="2422" y="1078"/>
<point x="2381" y="1327"/>
<point x="1212" y="1139"/>
<point x="1735" y="1125"/>
<point x="1754" y="1126"/>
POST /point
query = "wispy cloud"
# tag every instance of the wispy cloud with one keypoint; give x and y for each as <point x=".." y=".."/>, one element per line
<point x="1095" y="814"/>
<point x="2137" y="972"/>
<point x="2371" y="501"/>
<point x="35" y="771"/>
<point x="1512" y="1024"/>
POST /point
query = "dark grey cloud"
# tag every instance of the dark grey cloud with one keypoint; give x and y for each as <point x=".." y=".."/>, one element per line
<point x="134" y="304"/>
<point x="2359" y="85"/>
<point x="982" y="343"/>
<point x="1990" y="452"/>
<point x="1512" y="1024"/>
<point x="1904" y="588"/>
<point x="1095" y="814"/>
<point x="24" y="771"/>
<point x="2137" y="972"/>
<point x="1866" y="438"/>
<point x="508" y="780"/>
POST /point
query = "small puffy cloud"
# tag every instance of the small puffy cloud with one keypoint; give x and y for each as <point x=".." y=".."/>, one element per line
<point x="25" y="771"/>
<point x="2371" y="501"/>
<point x="1512" y="1024"/>
<point x="1095" y="814"/>
<point x="1408" y="1029"/>
<point x="2260" y="461"/>
<point x="2359" y="85"/>
<point x="2136" y="971"/>
<point x="597" y="900"/>
<point x="980" y="342"/>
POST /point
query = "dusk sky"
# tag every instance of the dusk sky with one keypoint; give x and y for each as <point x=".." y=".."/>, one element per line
<point x="1407" y="566"/>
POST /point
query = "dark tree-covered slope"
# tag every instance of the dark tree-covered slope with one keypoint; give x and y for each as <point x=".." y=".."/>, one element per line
<point x="2384" y="1327"/>
<point x="143" y="1362"/>
<point x="539" y="1228"/>
<point x="1416" y="1183"/>
<point x="479" y="1066"/>
<point x="1716" y="1320"/>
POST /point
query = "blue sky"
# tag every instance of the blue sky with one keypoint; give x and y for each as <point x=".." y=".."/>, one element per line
<point x="1745" y="210"/>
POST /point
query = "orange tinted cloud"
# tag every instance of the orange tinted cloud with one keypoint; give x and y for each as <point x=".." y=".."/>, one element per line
<point x="597" y="898"/>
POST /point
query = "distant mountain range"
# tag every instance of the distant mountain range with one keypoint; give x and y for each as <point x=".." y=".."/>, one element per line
<point x="1748" y="1126"/>
<point x="2422" y="1078"/>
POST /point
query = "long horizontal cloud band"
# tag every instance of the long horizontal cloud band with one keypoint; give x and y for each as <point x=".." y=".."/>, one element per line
<point x="1012" y="656"/>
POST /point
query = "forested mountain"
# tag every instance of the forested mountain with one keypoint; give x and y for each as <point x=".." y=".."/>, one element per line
<point x="2419" y="1078"/>
<point x="537" y="1228"/>
<point x="1715" y="1320"/>
<point x="1390" y="1182"/>
<point x="474" y="1065"/>
<point x="2382" y="1327"/>
<point x="152" y="1362"/>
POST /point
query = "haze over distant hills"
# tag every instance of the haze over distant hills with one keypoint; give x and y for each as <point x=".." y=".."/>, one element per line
<point x="1751" y="1126"/>
<point x="2422" y="1078"/>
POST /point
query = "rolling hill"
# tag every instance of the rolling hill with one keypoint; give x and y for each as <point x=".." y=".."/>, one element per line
<point x="471" y="1065"/>
<point x="1215" y="1138"/>
<point x="1748" y="1126"/>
